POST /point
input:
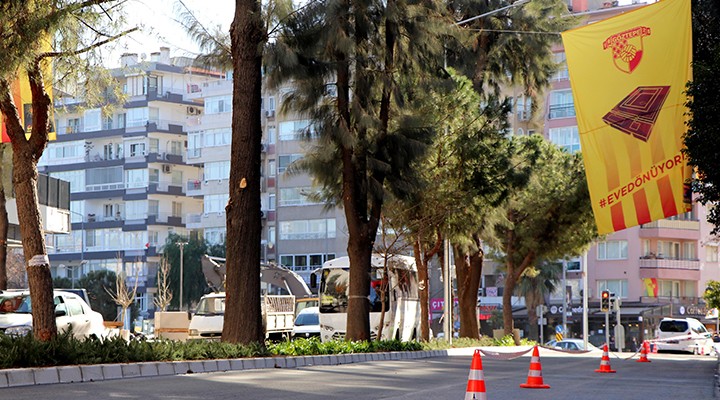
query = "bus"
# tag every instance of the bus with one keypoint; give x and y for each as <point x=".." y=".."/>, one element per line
<point x="398" y="288"/>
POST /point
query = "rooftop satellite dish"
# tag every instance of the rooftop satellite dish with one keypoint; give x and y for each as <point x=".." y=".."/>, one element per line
<point x="143" y="56"/>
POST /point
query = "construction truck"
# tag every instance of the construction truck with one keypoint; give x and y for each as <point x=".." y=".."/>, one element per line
<point x="279" y="288"/>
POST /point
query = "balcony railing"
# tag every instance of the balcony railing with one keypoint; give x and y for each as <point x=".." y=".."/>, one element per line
<point x="673" y="224"/>
<point x="660" y="263"/>
<point x="562" y="111"/>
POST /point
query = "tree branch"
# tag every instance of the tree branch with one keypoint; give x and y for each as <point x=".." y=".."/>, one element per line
<point x="41" y="104"/>
<point x="86" y="49"/>
<point x="12" y="117"/>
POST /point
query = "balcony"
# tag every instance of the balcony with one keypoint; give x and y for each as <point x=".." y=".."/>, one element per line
<point x="667" y="228"/>
<point x="669" y="269"/>
<point x="193" y="187"/>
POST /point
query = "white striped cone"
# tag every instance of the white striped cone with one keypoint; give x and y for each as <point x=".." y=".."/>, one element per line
<point x="605" y="362"/>
<point x="476" y="379"/>
<point x="534" y="379"/>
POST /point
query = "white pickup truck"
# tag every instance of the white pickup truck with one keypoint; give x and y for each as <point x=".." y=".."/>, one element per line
<point x="278" y="310"/>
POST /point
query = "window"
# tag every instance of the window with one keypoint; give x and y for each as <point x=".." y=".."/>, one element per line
<point x="307" y="229"/>
<point x="215" y="203"/>
<point x="296" y="196"/>
<point x="562" y="73"/>
<point x="218" y="104"/>
<point x="668" y="250"/>
<point x="73" y="126"/>
<point x="176" y="209"/>
<point x="561" y="104"/>
<point x="92" y="120"/>
<point x="612" y="250"/>
<point x="137" y="117"/>
<point x="285" y="161"/>
<point x="566" y="138"/>
<point x="711" y="253"/>
<point x="216" y="137"/>
<point x="270" y="104"/>
<point x="154" y="145"/>
<point x="294" y="130"/>
<point x="271" y="202"/>
<point x="271" y="134"/>
<point x="137" y="149"/>
<point x="668" y="288"/>
<point x="688" y="251"/>
<point x="217" y="170"/>
<point x="617" y="286"/>
<point x="215" y="235"/>
<point x="76" y="179"/>
<point x="104" y="178"/>
<point x="136" y="209"/>
<point x="153" y="207"/>
<point x="60" y="151"/>
<point x="523" y="107"/>
<point x="136" y="178"/>
<point x="272" y="168"/>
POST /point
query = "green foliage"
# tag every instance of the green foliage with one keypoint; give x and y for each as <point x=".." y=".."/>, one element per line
<point x="96" y="283"/>
<point x="508" y="340"/>
<point x="441" y="344"/>
<point x="26" y="352"/>
<point x="703" y="136"/>
<point x="194" y="284"/>
<point x="712" y="294"/>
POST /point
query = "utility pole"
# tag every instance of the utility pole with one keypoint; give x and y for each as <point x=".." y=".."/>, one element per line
<point x="182" y="246"/>
<point x="565" y="302"/>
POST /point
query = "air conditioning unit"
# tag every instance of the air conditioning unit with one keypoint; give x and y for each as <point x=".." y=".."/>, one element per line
<point x="263" y="214"/>
<point x="270" y="113"/>
<point x="263" y="147"/>
<point x="166" y="168"/>
<point x="194" y="110"/>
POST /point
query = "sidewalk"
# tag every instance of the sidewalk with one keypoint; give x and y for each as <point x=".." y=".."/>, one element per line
<point x="100" y="372"/>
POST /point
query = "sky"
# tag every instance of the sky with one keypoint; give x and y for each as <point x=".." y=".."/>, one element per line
<point x="159" y="28"/>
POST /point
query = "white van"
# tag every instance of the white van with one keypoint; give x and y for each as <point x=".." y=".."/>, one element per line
<point x="684" y="334"/>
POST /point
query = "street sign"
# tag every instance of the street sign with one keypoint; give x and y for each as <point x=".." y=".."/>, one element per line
<point x="558" y="337"/>
<point x="559" y="329"/>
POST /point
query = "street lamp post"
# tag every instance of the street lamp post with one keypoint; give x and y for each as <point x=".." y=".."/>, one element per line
<point x="182" y="246"/>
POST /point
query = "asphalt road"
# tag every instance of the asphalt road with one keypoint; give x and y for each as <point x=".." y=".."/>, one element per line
<point x="570" y="377"/>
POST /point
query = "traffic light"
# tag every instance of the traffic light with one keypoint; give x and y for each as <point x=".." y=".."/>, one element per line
<point x="605" y="301"/>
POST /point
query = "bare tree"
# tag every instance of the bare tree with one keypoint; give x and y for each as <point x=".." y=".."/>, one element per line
<point x="123" y="296"/>
<point x="164" y="294"/>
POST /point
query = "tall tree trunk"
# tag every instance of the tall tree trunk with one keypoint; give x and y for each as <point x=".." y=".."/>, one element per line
<point x="26" y="153"/>
<point x="531" y="302"/>
<point x="469" y="272"/>
<point x="358" y="311"/>
<point x="507" y="299"/>
<point x="243" y="317"/>
<point x="423" y="290"/>
<point x="4" y="223"/>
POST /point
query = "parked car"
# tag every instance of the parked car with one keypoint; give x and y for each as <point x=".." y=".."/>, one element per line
<point x="684" y="334"/>
<point x="71" y="311"/>
<point x="574" y="344"/>
<point x="307" y="323"/>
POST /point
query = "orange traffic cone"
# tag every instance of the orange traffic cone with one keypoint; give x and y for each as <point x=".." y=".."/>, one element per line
<point x="644" y="352"/>
<point x="534" y="379"/>
<point x="476" y="380"/>
<point x="605" y="362"/>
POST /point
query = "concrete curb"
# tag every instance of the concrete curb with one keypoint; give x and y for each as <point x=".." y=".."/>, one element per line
<point x="100" y="372"/>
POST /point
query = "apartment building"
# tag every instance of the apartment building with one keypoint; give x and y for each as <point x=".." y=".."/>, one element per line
<point x="127" y="169"/>
<point x="297" y="232"/>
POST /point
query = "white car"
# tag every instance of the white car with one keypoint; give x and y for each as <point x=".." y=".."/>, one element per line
<point x="70" y="311"/>
<point x="573" y="344"/>
<point x="307" y="323"/>
<point x="684" y="334"/>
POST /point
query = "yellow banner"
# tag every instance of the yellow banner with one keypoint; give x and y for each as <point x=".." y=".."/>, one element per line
<point x="628" y="74"/>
